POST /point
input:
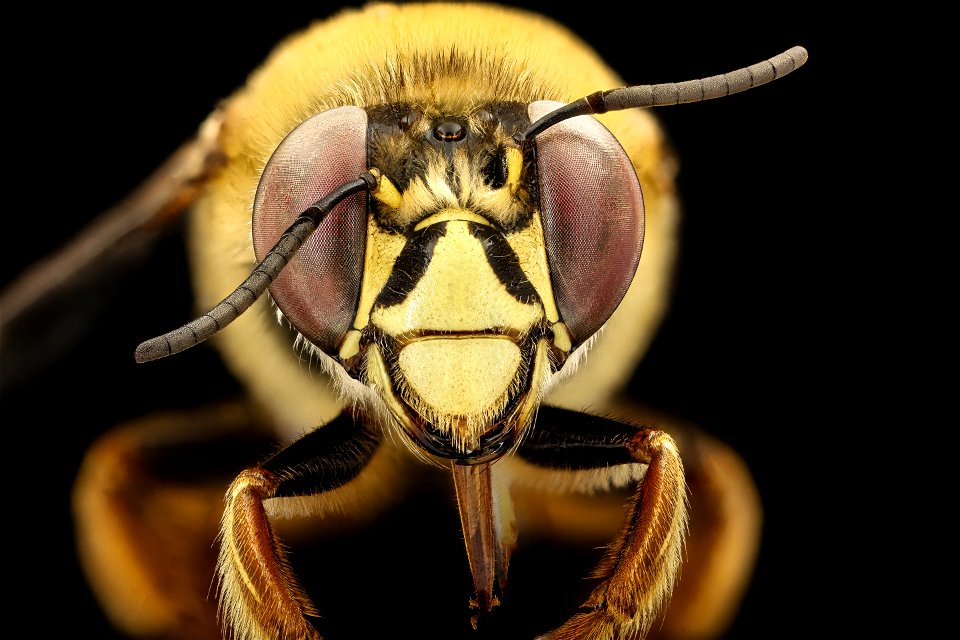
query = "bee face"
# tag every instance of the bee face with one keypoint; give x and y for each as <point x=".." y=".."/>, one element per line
<point x="489" y="264"/>
<point x="448" y="266"/>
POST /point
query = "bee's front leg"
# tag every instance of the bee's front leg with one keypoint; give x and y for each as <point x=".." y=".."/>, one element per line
<point x="259" y="594"/>
<point x="640" y="566"/>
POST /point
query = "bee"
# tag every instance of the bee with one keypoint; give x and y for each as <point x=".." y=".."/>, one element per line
<point x="454" y="297"/>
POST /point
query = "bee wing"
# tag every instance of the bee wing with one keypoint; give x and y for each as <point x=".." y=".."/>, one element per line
<point x="32" y="305"/>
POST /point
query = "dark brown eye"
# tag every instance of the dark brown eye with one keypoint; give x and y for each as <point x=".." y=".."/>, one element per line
<point x="319" y="289"/>
<point x="449" y="131"/>
<point x="592" y="210"/>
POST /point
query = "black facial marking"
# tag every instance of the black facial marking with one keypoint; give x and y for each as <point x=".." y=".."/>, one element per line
<point x="411" y="265"/>
<point x="495" y="170"/>
<point x="504" y="262"/>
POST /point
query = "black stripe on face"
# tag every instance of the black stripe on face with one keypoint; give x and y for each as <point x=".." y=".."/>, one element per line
<point x="504" y="262"/>
<point x="411" y="264"/>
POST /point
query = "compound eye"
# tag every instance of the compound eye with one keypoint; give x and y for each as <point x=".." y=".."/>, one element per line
<point x="592" y="210"/>
<point x="319" y="288"/>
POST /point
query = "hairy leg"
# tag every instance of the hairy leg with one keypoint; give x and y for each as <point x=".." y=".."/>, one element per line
<point x="638" y="571"/>
<point x="585" y="508"/>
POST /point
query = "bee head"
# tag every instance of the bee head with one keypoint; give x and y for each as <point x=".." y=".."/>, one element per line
<point x="477" y="251"/>
<point x="464" y="280"/>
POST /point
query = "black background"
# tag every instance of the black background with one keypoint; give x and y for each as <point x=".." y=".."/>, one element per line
<point x="748" y="350"/>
